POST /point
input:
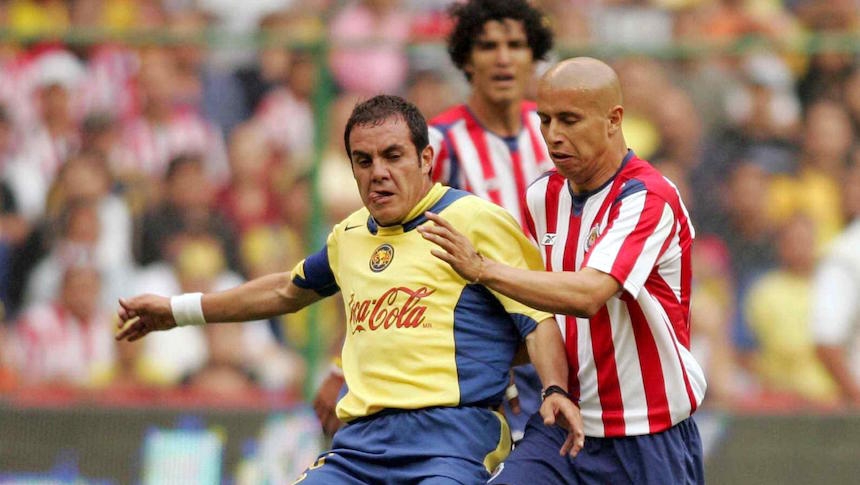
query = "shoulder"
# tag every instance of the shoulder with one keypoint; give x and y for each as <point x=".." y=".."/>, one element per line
<point x="640" y="176"/>
<point x="444" y="120"/>
<point x="357" y="219"/>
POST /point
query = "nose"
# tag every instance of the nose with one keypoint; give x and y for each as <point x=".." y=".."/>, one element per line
<point x="379" y="170"/>
<point x="503" y="54"/>
<point x="551" y="133"/>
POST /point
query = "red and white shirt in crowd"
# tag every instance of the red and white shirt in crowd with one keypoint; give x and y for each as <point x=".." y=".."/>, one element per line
<point x="630" y="364"/>
<point x="287" y="123"/>
<point x="53" y="345"/>
<point x="148" y="147"/>
<point x="499" y="169"/>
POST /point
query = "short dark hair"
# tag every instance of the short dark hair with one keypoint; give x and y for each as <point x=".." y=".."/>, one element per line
<point x="471" y="16"/>
<point x="377" y="109"/>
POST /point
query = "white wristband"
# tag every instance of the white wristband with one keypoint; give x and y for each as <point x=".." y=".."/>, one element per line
<point x="511" y="392"/>
<point x="187" y="309"/>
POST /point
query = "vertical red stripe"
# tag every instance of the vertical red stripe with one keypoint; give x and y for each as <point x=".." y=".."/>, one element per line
<point x="477" y="135"/>
<point x="530" y="226"/>
<point x="553" y="187"/>
<point x="608" y="386"/>
<point x="631" y="248"/>
<point x="685" y="240"/>
<point x="571" y="345"/>
<point x="653" y="381"/>
<point x="520" y="182"/>
<point x="571" y="328"/>
<point x="439" y="165"/>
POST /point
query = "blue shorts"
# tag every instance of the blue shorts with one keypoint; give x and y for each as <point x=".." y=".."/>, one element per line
<point x="432" y="446"/>
<point x="673" y="457"/>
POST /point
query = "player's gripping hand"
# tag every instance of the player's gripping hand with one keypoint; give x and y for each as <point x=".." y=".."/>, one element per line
<point x="325" y="403"/>
<point x="143" y="314"/>
<point x="561" y="410"/>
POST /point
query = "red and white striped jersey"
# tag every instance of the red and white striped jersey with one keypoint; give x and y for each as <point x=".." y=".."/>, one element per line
<point x="630" y="364"/>
<point x="53" y="345"/>
<point x="148" y="147"/>
<point x="495" y="168"/>
<point x="288" y="123"/>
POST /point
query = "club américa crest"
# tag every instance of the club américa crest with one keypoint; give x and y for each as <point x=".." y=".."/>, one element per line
<point x="381" y="258"/>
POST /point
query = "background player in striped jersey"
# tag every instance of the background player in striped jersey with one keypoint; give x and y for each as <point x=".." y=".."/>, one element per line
<point x="427" y="353"/>
<point x="616" y="241"/>
<point x="490" y="145"/>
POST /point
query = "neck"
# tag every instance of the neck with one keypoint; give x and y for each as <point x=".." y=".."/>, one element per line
<point x="500" y="118"/>
<point x="609" y="163"/>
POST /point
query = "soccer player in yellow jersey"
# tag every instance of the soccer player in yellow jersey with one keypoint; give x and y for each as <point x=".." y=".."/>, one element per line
<point x="427" y="353"/>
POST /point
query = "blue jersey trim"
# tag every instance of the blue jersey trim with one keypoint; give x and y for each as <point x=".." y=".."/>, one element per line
<point x="631" y="187"/>
<point x="482" y="370"/>
<point x="318" y="274"/>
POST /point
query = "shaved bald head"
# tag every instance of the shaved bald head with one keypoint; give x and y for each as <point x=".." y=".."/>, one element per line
<point x="588" y="75"/>
<point x="579" y="105"/>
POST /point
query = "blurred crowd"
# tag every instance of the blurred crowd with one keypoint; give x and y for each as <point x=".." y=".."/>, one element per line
<point x="165" y="146"/>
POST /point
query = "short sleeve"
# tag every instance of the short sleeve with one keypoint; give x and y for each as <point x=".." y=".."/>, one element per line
<point x="315" y="273"/>
<point x="635" y="237"/>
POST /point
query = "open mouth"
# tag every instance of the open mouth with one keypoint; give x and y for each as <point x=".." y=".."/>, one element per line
<point x="503" y="78"/>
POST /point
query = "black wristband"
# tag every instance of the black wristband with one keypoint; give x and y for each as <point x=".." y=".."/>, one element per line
<point x="553" y="389"/>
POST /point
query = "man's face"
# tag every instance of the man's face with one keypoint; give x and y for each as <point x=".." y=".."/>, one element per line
<point x="501" y="62"/>
<point x="576" y="130"/>
<point x="390" y="174"/>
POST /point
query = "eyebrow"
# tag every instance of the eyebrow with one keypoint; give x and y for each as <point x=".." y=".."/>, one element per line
<point x="388" y="149"/>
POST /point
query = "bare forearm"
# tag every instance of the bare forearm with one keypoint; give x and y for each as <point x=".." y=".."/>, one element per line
<point x="546" y="351"/>
<point x="261" y="298"/>
<point x="566" y="293"/>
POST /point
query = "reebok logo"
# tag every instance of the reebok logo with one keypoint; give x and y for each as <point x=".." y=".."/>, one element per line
<point x="548" y="239"/>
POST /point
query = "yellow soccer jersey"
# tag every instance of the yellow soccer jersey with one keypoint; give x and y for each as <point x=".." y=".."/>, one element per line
<point x="418" y="335"/>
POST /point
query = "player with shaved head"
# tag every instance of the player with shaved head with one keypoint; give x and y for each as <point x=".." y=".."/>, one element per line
<point x="616" y="240"/>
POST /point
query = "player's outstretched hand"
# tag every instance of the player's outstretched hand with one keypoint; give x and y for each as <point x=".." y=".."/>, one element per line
<point x="560" y="410"/>
<point x="326" y="401"/>
<point x="457" y="250"/>
<point x="143" y="314"/>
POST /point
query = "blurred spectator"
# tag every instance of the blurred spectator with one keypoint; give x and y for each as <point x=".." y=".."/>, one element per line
<point x="368" y="54"/>
<point x="211" y="91"/>
<point x="825" y="76"/>
<point x="283" y="32"/>
<point x="162" y="129"/>
<point x="70" y="340"/>
<point x="764" y="111"/>
<point x="224" y="373"/>
<point x="187" y="209"/>
<point x="836" y="298"/>
<point x="53" y="136"/>
<point x="91" y="220"/>
<point x="813" y="188"/>
<point x="712" y="305"/>
<point x="249" y="200"/>
<point x="335" y="171"/>
<point x="643" y="81"/>
<point x="285" y="116"/>
<point x="431" y="92"/>
<point x="748" y="234"/>
<point x="777" y="311"/>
